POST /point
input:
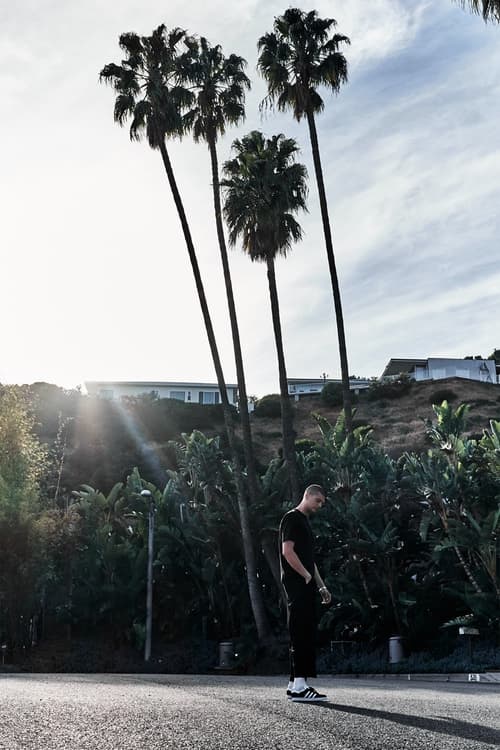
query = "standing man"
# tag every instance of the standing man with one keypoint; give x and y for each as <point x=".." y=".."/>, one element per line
<point x="298" y="570"/>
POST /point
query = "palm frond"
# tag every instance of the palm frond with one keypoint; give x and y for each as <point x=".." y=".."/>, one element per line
<point x="131" y="43"/>
<point x="298" y="57"/>
<point x="218" y="86"/>
<point x="148" y="86"/>
<point x="110" y="73"/>
<point x="141" y="114"/>
<point x="489" y="9"/>
<point x="124" y="108"/>
<point x="264" y="187"/>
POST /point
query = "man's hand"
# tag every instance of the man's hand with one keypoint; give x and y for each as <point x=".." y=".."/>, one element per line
<point x="326" y="597"/>
<point x="308" y="578"/>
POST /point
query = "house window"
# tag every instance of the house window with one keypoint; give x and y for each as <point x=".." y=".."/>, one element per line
<point x="188" y="396"/>
<point x="106" y="393"/>
<point x="178" y="395"/>
<point x="208" y="397"/>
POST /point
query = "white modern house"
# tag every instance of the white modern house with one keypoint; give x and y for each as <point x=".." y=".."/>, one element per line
<point x="190" y="393"/>
<point x="438" y="368"/>
<point x="298" y="387"/>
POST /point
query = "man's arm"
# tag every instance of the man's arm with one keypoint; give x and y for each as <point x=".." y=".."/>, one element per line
<point x="293" y="560"/>
<point x="326" y="597"/>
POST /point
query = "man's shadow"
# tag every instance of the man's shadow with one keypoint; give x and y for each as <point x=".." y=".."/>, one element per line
<point x="440" y="725"/>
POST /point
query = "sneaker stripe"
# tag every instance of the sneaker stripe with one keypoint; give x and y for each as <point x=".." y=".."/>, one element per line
<point x="308" y="694"/>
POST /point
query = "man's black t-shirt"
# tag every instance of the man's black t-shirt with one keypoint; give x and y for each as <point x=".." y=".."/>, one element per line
<point x="294" y="527"/>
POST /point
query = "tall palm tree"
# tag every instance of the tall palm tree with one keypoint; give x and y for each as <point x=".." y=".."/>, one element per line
<point x="264" y="188"/>
<point x="296" y="59"/>
<point x="219" y="86"/>
<point x="489" y="9"/>
<point x="150" y="94"/>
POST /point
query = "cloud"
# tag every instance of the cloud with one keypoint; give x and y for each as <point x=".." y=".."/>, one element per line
<point x="388" y="26"/>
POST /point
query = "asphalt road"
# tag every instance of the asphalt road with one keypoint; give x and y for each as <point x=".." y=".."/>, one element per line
<point x="128" y="712"/>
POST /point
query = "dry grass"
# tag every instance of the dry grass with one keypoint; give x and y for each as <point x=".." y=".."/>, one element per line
<point x="398" y="425"/>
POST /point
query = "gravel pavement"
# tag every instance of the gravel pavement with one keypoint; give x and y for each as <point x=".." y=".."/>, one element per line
<point x="128" y="712"/>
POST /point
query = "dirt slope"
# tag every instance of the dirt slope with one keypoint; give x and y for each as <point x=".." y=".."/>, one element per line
<point x="397" y="424"/>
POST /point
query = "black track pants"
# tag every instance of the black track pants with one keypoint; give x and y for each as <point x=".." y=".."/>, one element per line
<point x="302" y="628"/>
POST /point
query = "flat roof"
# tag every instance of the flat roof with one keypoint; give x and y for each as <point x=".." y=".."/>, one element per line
<point x="323" y="380"/>
<point x="395" y="366"/>
<point x="310" y="380"/>
<point x="156" y="383"/>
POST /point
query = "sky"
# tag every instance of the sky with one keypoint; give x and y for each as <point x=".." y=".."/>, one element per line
<point x="95" y="278"/>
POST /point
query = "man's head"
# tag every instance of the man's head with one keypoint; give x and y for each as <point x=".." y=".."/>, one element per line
<point x="313" y="499"/>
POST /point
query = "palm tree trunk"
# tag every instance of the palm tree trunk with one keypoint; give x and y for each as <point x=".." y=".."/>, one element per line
<point x="255" y="592"/>
<point x="269" y="544"/>
<point x="390" y="578"/>
<point x="253" y="484"/>
<point x="364" y="584"/>
<point x="443" y="515"/>
<point x="468" y="571"/>
<point x="344" y="367"/>
<point x="232" y="626"/>
<point x="286" y="409"/>
<point x="61" y="427"/>
<point x="488" y="559"/>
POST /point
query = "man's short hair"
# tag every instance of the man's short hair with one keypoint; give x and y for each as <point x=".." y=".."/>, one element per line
<point x="315" y="489"/>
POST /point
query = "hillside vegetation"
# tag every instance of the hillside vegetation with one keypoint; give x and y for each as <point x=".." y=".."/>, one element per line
<point x="98" y="442"/>
<point x="398" y="423"/>
<point x="407" y="547"/>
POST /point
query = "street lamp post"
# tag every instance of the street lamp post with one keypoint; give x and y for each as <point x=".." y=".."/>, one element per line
<point x="146" y="494"/>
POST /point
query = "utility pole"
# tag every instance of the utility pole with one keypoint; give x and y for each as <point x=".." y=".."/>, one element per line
<point x="146" y="494"/>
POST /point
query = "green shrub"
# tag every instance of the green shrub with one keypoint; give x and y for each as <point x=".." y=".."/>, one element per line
<point x="358" y="658"/>
<point x="364" y="423"/>
<point x="268" y="406"/>
<point x="443" y="394"/>
<point x="392" y="389"/>
<point x="305" y="445"/>
<point x="331" y="394"/>
<point x="475" y="436"/>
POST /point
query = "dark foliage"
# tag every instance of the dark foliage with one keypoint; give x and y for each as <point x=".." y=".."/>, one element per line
<point x="408" y="546"/>
<point x="268" y="406"/>
<point x="305" y="445"/>
<point x="332" y="395"/>
<point x="389" y="389"/>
